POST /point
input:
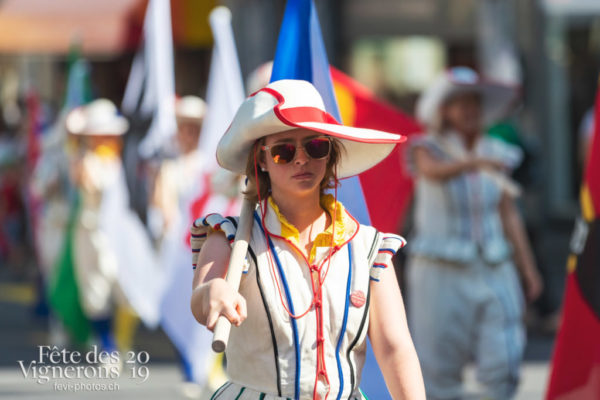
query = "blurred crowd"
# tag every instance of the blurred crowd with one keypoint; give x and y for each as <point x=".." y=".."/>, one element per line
<point x="100" y="227"/>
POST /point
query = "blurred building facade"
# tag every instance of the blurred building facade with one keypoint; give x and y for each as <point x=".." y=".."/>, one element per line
<point x="395" y="47"/>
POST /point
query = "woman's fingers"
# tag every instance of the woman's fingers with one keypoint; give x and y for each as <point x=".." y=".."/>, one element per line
<point x="231" y="314"/>
<point x="211" y="321"/>
<point x="241" y="307"/>
<point x="222" y="300"/>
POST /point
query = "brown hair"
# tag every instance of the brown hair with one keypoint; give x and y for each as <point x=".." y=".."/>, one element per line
<point x="264" y="183"/>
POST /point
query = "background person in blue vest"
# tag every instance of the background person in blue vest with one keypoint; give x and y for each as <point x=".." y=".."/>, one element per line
<point x="470" y="247"/>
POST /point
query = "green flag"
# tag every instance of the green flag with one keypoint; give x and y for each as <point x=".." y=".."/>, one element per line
<point x="63" y="292"/>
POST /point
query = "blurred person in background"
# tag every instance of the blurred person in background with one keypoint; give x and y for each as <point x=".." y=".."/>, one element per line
<point x="172" y="188"/>
<point x="470" y="250"/>
<point x="96" y="140"/>
<point x="171" y="197"/>
<point x="187" y="185"/>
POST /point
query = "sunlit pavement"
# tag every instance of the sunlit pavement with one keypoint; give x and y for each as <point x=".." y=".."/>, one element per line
<point x="21" y="332"/>
<point x="164" y="382"/>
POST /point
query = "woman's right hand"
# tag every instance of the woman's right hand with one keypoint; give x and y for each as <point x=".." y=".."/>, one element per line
<point x="217" y="298"/>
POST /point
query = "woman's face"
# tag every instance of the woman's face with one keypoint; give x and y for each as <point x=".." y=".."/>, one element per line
<point x="463" y="114"/>
<point x="303" y="174"/>
<point x="188" y="135"/>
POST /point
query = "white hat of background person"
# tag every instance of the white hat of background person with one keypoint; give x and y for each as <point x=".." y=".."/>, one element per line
<point x="289" y="104"/>
<point x="497" y="98"/>
<point x="98" y="118"/>
<point x="190" y="108"/>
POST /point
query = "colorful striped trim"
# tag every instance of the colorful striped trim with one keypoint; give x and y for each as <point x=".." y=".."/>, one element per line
<point x="378" y="265"/>
<point x="391" y="252"/>
<point x="344" y="323"/>
<point x="374" y="279"/>
<point x="363" y="323"/>
<point x="220" y="390"/>
<point x="240" y="393"/>
<point x="268" y="312"/>
<point x="291" y="308"/>
<point x="400" y="238"/>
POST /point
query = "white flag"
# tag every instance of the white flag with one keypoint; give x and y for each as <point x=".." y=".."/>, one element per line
<point x="152" y="76"/>
<point x="225" y="94"/>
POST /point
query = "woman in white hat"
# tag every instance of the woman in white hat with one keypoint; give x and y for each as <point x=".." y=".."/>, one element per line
<point x="116" y="269"/>
<point x="96" y="140"/>
<point x="316" y="282"/>
<point x="465" y="299"/>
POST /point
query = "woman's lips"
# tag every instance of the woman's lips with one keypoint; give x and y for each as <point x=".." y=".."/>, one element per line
<point x="303" y="175"/>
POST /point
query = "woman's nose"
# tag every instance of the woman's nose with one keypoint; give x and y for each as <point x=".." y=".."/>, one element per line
<point x="301" y="156"/>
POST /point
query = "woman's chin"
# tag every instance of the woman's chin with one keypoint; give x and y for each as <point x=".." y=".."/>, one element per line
<point x="301" y="188"/>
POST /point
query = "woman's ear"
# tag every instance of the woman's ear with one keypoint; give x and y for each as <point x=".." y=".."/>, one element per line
<point x="261" y="162"/>
<point x="260" y="156"/>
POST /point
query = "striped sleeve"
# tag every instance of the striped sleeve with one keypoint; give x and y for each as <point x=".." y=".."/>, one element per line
<point x="202" y="227"/>
<point x="387" y="249"/>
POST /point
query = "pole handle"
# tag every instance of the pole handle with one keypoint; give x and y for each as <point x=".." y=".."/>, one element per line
<point x="234" y="271"/>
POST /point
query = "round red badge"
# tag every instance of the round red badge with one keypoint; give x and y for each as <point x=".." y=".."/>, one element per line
<point x="357" y="298"/>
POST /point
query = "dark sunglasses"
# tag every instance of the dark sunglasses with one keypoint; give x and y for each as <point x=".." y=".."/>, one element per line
<point x="316" y="148"/>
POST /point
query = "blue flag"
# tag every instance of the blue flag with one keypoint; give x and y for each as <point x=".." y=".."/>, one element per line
<point x="301" y="54"/>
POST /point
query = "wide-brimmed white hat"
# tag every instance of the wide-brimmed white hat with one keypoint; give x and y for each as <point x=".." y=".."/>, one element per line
<point x="290" y="104"/>
<point x="98" y="118"/>
<point x="496" y="97"/>
<point x="190" y="109"/>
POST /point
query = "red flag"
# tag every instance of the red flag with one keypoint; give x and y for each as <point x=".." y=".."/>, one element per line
<point x="387" y="187"/>
<point x="576" y="361"/>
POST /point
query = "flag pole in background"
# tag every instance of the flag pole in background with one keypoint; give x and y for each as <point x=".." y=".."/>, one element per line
<point x="301" y="54"/>
<point x="576" y="360"/>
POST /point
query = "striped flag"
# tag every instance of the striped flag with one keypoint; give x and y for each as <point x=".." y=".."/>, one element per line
<point x="301" y="54"/>
<point x="576" y="360"/>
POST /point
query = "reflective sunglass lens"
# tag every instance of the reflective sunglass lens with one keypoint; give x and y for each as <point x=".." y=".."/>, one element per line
<point x="317" y="148"/>
<point x="283" y="153"/>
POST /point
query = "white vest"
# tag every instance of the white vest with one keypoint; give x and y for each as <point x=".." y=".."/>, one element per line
<point x="275" y="354"/>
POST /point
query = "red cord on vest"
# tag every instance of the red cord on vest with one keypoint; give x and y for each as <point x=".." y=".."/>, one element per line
<point x="317" y="300"/>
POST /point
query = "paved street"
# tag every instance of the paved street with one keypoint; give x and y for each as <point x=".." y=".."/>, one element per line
<point x="21" y="332"/>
